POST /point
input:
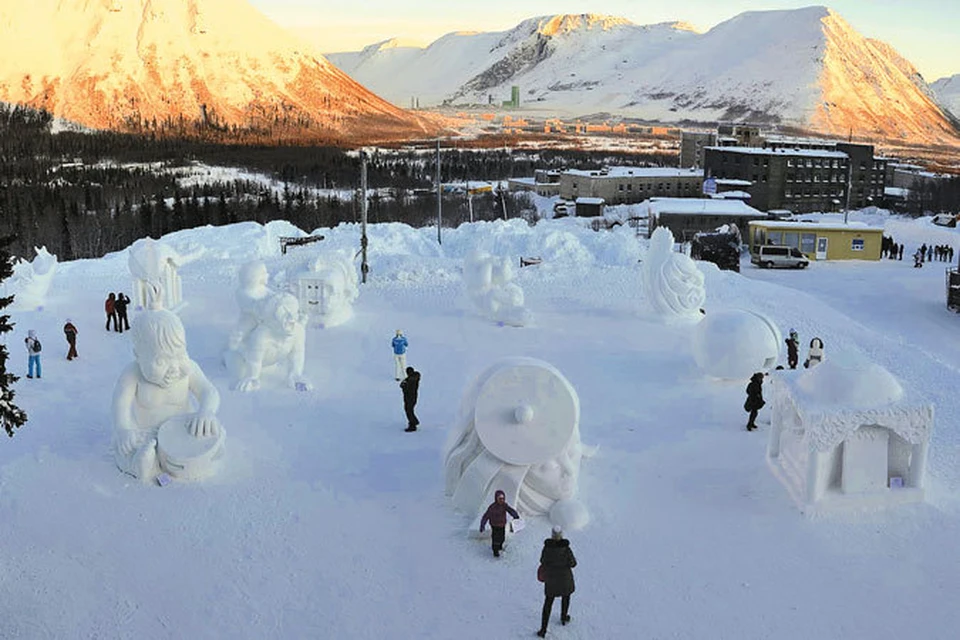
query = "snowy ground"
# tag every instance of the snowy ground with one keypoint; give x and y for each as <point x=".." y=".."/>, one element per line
<point x="330" y="521"/>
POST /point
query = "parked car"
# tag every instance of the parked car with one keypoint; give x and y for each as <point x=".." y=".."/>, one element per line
<point x="768" y="256"/>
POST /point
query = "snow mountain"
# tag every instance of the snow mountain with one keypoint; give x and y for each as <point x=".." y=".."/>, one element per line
<point x="128" y="64"/>
<point x="947" y="91"/>
<point x="805" y="67"/>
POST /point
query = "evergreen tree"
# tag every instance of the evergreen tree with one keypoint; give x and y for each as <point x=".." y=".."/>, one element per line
<point x="11" y="416"/>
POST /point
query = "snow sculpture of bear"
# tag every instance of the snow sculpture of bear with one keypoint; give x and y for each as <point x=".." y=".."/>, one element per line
<point x="488" y="283"/>
<point x="518" y="432"/>
<point x="328" y="289"/>
<point x="672" y="283"/>
<point x="736" y="343"/>
<point x="279" y="338"/>
<point x="30" y="281"/>
<point x="153" y="401"/>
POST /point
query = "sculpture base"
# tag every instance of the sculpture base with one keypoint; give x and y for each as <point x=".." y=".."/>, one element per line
<point x="184" y="456"/>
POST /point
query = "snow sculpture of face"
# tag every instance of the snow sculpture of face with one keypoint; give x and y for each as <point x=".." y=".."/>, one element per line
<point x="284" y="314"/>
<point x="735" y="343"/>
<point x="160" y="347"/>
<point x="254" y="276"/>
<point x="328" y="290"/>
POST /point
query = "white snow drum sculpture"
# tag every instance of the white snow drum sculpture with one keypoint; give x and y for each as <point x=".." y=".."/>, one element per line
<point x="488" y="281"/>
<point x="271" y="333"/>
<point x="518" y="432"/>
<point x="164" y="407"/>
<point x="672" y="283"/>
<point x="153" y="266"/>
<point x="30" y="281"/>
<point x="328" y="289"/>
<point x="844" y="434"/>
<point x="736" y="343"/>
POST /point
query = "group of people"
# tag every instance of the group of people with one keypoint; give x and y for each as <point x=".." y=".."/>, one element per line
<point x="115" y="307"/>
<point x="938" y="252"/>
<point x="34" y="348"/>
<point x="556" y="559"/>
<point x="409" y="379"/>
<point x="754" y="401"/>
<point x="890" y="249"/>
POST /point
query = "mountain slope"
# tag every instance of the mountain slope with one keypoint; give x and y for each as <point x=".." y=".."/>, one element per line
<point x="804" y="67"/>
<point x="130" y="63"/>
<point x="947" y="91"/>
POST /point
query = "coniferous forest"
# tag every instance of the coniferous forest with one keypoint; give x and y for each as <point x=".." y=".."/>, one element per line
<point x="85" y="194"/>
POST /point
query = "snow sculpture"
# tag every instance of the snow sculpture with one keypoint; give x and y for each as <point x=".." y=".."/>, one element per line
<point x="736" y="343"/>
<point x="30" y="281"/>
<point x="277" y="340"/>
<point x="672" y="282"/>
<point x="164" y="407"/>
<point x="328" y="289"/>
<point x="250" y="295"/>
<point x="156" y="283"/>
<point x="488" y="283"/>
<point x="845" y="434"/>
<point x="518" y="432"/>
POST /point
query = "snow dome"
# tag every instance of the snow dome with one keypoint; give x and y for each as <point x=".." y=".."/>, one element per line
<point x="851" y="381"/>
<point x="735" y="343"/>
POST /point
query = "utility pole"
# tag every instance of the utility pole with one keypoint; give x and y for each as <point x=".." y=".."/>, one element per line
<point x="439" y="197"/>
<point x="470" y="200"/>
<point x="364" y="267"/>
<point x="846" y="209"/>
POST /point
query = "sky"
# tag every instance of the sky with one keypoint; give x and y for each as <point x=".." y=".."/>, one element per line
<point x="922" y="30"/>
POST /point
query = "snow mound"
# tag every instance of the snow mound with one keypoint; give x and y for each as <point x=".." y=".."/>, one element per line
<point x="848" y="380"/>
<point x="735" y="343"/>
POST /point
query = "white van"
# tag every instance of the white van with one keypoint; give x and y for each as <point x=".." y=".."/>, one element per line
<point x="768" y="256"/>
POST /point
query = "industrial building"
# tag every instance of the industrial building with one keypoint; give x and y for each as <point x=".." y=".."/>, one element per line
<point x="629" y="185"/>
<point x="685" y="217"/>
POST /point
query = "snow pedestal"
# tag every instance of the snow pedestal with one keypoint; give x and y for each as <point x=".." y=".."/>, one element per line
<point x="845" y="435"/>
<point x="518" y="433"/>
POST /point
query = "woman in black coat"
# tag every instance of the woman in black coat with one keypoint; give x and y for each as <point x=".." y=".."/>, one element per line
<point x="754" y="400"/>
<point x="556" y="569"/>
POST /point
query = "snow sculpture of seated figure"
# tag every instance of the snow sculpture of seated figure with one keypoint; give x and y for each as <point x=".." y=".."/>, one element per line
<point x="328" y="289"/>
<point x="162" y="383"/>
<point x="672" y="283"/>
<point x="250" y="296"/>
<point x="31" y="281"/>
<point x="519" y="433"/>
<point x="488" y="283"/>
<point x="279" y="338"/>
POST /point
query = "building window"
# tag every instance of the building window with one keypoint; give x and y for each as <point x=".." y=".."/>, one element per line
<point x="619" y="187"/>
<point x="856" y="244"/>
<point x="808" y="242"/>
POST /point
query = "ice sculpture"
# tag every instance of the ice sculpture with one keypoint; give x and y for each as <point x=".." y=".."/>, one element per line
<point x="488" y="283"/>
<point x="156" y="283"/>
<point x="155" y="425"/>
<point x="736" y="343"/>
<point x="30" y="281"/>
<point x="845" y="434"/>
<point x="672" y="282"/>
<point x="277" y="340"/>
<point x="518" y="432"/>
<point x="328" y="289"/>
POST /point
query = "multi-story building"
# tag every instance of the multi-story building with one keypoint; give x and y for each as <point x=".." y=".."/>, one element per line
<point x="628" y="185"/>
<point x="799" y="180"/>
<point x="692" y="144"/>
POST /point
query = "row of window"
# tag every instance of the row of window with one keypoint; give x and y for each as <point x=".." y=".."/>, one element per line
<point x="805" y="242"/>
<point x="813" y="193"/>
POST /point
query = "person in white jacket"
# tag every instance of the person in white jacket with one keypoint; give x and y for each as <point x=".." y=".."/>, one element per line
<point x="33" y="353"/>
<point x="815" y="354"/>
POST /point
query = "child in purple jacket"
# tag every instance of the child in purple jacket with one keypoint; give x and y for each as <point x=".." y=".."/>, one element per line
<point x="496" y="514"/>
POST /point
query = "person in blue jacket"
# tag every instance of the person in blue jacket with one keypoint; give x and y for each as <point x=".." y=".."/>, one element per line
<point x="400" y="355"/>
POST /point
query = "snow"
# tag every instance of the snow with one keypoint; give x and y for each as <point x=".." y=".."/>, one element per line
<point x="636" y="172"/>
<point x="699" y="206"/>
<point x="327" y="516"/>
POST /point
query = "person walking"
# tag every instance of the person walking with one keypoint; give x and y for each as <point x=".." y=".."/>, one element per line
<point x="793" y="349"/>
<point x="556" y="571"/>
<point x="411" y="387"/>
<point x="110" y="307"/>
<point x="121" y="306"/>
<point x="900" y="252"/>
<point x="754" y="401"/>
<point x="399" y="354"/>
<point x="70" y="331"/>
<point x="33" y="346"/>
<point x="496" y="515"/>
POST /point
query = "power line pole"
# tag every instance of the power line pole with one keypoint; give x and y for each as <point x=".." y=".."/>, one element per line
<point x="846" y="208"/>
<point x="364" y="267"/>
<point x="439" y="197"/>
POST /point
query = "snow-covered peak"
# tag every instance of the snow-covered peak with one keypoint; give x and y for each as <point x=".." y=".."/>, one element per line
<point x="947" y="91"/>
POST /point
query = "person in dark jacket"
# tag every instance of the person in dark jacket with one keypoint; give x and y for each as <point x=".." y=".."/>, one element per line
<point x="557" y="562"/>
<point x="754" y="400"/>
<point x="496" y="515"/>
<point x="70" y="332"/>
<point x="121" y="306"/>
<point x="110" y="307"/>
<point x="793" y="349"/>
<point x="410" y="387"/>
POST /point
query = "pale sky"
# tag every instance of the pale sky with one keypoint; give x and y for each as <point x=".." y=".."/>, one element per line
<point x="923" y="31"/>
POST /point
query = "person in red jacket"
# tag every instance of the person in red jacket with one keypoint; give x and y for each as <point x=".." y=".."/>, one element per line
<point x="496" y="515"/>
<point x="110" y="308"/>
<point x="70" y="332"/>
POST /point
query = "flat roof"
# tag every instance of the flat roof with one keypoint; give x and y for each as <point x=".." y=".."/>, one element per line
<point x="637" y="172"/>
<point x="850" y="226"/>
<point x="733" y="182"/>
<point x="588" y="200"/>
<point x="757" y="151"/>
